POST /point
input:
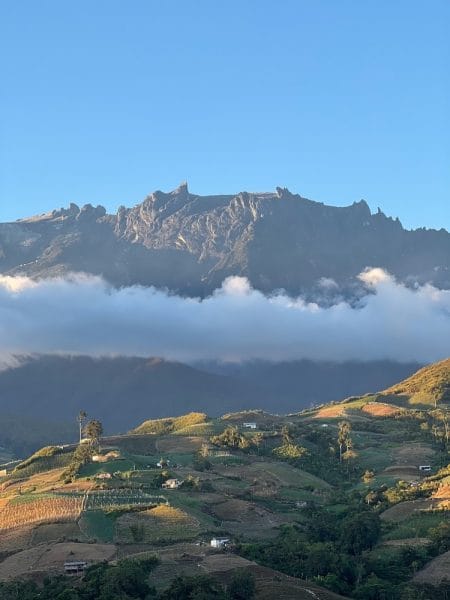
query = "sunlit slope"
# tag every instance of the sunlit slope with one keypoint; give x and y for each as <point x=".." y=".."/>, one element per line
<point x="429" y="386"/>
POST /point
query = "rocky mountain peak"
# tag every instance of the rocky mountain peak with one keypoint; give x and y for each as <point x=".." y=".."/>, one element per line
<point x="191" y="243"/>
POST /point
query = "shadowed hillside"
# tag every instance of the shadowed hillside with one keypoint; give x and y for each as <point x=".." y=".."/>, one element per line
<point x="50" y="390"/>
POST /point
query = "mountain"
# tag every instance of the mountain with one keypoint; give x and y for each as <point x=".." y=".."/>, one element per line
<point x="43" y="394"/>
<point x="189" y="244"/>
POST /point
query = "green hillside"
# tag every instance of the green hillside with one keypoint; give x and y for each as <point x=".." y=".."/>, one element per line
<point x="330" y="503"/>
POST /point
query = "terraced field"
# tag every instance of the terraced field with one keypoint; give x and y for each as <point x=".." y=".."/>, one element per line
<point x="161" y="524"/>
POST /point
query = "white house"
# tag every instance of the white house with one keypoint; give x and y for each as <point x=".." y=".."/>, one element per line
<point x="220" y="543"/>
<point x="249" y="425"/>
<point x="425" y="468"/>
<point x="172" y="484"/>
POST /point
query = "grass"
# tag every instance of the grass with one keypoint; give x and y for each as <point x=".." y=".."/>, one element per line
<point x="99" y="525"/>
<point x="295" y="494"/>
<point x="290" y="476"/>
<point x="195" y="506"/>
<point x="112" y="466"/>
<point x="157" y="525"/>
<point x="417" y="525"/>
<point x="40" y="463"/>
<point x="30" y="497"/>
<point x="375" y="458"/>
<point x="171" y="424"/>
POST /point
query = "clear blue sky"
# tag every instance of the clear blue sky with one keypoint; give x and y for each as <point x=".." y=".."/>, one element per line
<point x="104" y="101"/>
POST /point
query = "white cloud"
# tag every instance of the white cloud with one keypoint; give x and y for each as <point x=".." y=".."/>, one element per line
<point x="84" y="315"/>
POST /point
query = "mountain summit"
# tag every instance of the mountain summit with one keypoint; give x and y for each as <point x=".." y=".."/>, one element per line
<point x="190" y="243"/>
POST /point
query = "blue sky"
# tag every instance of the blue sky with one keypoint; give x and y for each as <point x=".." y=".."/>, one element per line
<point x="106" y="101"/>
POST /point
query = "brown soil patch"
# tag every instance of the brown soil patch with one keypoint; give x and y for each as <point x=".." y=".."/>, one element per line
<point x="179" y="444"/>
<point x="15" y="539"/>
<point x="240" y="516"/>
<point x="270" y="584"/>
<point x="52" y="557"/>
<point x="435" y="571"/>
<point x="404" y="510"/>
<point x="56" y="555"/>
<point x="407" y="473"/>
<point x="56" y="532"/>
<point x="216" y="563"/>
<point x="407" y="542"/>
<point x="414" y="454"/>
<point x="443" y="491"/>
<point x="380" y="409"/>
<point x="333" y="411"/>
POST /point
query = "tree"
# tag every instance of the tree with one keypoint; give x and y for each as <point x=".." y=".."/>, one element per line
<point x="344" y="437"/>
<point x="81" y="419"/>
<point x="290" y="451"/>
<point x="360" y="532"/>
<point x="93" y="430"/>
<point x="242" y="586"/>
<point x="368" y="476"/>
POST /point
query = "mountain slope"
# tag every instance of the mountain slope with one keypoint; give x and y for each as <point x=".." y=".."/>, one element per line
<point x="190" y="243"/>
<point x="430" y="385"/>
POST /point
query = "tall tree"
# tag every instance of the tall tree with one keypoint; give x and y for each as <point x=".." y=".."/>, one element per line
<point x="93" y="430"/>
<point x="344" y="437"/>
<point x="81" y="418"/>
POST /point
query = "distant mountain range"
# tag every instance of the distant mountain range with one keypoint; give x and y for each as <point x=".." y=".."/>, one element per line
<point x="189" y="244"/>
<point x="40" y="398"/>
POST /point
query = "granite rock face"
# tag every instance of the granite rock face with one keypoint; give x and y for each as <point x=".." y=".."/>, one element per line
<point x="189" y="244"/>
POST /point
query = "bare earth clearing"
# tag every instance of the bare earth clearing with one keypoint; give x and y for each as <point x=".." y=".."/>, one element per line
<point x="47" y="557"/>
<point x="436" y="570"/>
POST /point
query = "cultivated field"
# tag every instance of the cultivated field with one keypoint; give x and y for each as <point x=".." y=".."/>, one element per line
<point x="157" y="525"/>
<point x="42" y="510"/>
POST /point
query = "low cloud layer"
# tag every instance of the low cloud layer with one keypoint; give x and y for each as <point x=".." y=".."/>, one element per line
<point x="84" y="315"/>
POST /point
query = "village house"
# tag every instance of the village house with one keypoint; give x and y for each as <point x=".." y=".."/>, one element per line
<point x="250" y="425"/>
<point x="171" y="484"/>
<point x="219" y="543"/>
<point x="75" y="567"/>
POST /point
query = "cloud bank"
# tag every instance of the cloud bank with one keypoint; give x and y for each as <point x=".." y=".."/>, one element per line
<point x="84" y="315"/>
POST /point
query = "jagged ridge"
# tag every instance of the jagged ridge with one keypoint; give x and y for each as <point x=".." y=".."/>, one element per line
<point x="190" y="243"/>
